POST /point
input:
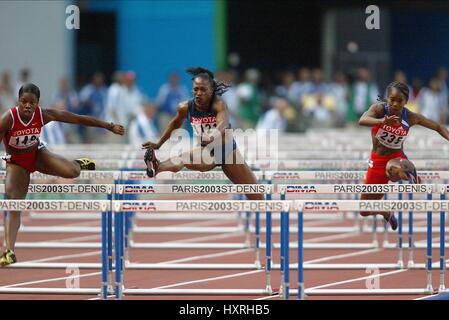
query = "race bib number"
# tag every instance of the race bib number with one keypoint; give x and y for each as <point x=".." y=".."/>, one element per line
<point x="390" y="138"/>
<point x="204" y="129"/>
<point x="23" y="142"/>
<point x="203" y="125"/>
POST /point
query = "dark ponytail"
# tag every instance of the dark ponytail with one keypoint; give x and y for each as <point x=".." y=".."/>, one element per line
<point x="219" y="87"/>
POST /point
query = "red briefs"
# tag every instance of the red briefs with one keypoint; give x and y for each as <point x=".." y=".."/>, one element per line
<point x="376" y="173"/>
<point x="26" y="160"/>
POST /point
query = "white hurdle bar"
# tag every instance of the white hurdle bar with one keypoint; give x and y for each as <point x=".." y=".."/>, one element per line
<point x="421" y="164"/>
<point x="104" y="189"/>
<point x="102" y="206"/>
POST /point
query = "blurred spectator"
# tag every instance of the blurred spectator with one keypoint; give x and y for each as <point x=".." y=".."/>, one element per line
<point x="416" y="87"/>
<point x="318" y="84"/>
<point x="7" y="94"/>
<point x="68" y="96"/>
<point x="93" y="101"/>
<point x="363" y="93"/>
<point x="300" y="87"/>
<point x="338" y="89"/>
<point x="67" y="99"/>
<point x="170" y="94"/>
<point x="93" y="96"/>
<point x="249" y="99"/>
<point x="52" y="132"/>
<point x="115" y="97"/>
<point x="441" y="76"/>
<point x="321" y="113"/>
<point x="230" y="97"/>
<point x="143" y="127"/>
<point x="287" y="80"/>
<point x="132" y="100"/>
<point x="24" y="77"/>
<point x="431" y="103"/>
<point x="276" y="117"/>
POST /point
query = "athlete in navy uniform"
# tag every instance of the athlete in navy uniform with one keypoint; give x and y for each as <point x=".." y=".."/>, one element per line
<point x="208" y="115"/>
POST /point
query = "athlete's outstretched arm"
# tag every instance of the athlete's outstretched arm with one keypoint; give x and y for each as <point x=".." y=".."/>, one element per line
<point x="375" y="116"/>
<point x="69" y="117"/>
<point x="423" y="121"/>
<point x="174" y="124"/>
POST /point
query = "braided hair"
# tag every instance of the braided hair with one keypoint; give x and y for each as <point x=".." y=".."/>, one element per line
<point x="30" y="88"/>
<point x="402" y="87"/>
<point x="219" y="87"/>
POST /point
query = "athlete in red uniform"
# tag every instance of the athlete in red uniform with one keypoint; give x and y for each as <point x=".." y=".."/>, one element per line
<point x="20" y="129"/>
<point x="390" y="121"/>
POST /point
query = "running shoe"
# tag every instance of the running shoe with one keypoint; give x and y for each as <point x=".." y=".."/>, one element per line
<point x="7" y="258"/>
<point x="151" y="162"/>
<point x="86" y="164"/>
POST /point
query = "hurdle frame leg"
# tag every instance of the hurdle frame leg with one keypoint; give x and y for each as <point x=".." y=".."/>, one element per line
<point x="247" y="229"/>
<point x="118" y="280"/>
<point x="104" y="257"/>
<point x="429" y="287"/>
<point x="400" y="238"/>
<point x="5" y="217"/>
<point x="385" y="224"/>
<point x="442" y="286"/>
<point x="257" y="241"/>
<point x="301" y="291"/>
<point x="411" y="243"/>
<point x="282" y="248"/>
<point x="268" y="249"/>
<point x="286" y="256"/>
<point x="375" y="241"/>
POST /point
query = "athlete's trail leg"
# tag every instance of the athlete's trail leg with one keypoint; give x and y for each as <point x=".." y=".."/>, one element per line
<point x="16" y="188"/>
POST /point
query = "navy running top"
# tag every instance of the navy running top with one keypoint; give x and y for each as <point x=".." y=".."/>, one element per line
<point x="203" y="122"/>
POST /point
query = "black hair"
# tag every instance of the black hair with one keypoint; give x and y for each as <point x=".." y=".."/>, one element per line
<point x="402" y="87"/>
<point x="30" y="88"/>
<point x="219" y="87"/>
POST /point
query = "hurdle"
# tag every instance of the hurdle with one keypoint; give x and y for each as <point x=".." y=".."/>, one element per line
<point x="184" y="206"/>
<point x="428" y="206"/>
<point x="103" y="189"/>
<point x="103" y="206"/>
<point x="196" y="189"/>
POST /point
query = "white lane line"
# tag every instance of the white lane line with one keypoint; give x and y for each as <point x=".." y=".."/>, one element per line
<point x="359" y="279"/>
<point x="203" y="280"/>
<point x="345" y="281"/>
<point x="52" y="279"/>
<point x="75" y="239"/>
<point x="216" y="236"/>
<point x="345" y="255"/>
<point x="212" y="255"/>
<point x="332" y="237"/>
<point x="77" y="255"/>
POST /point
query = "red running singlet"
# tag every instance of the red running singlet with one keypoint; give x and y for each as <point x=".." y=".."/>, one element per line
<point x="24" y="136"/>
